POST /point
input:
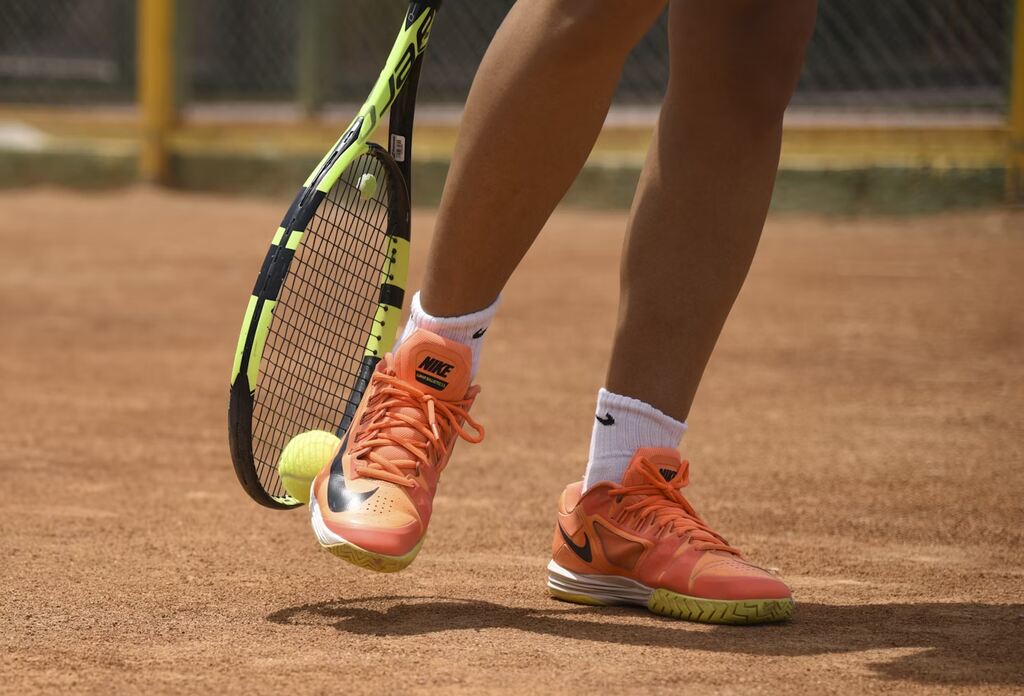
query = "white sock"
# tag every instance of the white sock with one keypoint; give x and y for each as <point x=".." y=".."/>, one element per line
<point x="468" y="329"/>
<point x="622" y="426"/>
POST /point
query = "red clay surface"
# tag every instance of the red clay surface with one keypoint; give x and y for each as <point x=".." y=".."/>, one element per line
<point x="859" y="428"/>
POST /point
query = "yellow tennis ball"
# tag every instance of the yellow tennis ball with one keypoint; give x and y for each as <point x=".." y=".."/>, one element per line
<point x="302" y="459"/>
<point x="367" y="186"/>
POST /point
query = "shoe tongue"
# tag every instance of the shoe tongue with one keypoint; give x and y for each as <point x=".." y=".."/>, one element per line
<point x="436" y="365"/>
<point x="666" y="461"/>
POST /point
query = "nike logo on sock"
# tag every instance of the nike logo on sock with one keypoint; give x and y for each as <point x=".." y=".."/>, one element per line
<point x="480" y="333"/>
<point x="581" y="551"/>
<point x="607" y="420"/>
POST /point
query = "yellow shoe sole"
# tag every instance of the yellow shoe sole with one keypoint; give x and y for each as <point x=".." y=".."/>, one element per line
<point x="718" y="611"/>
<point x="373" y="561"/>
<point x="611" y="590"/>
<point x="712" y="611"/>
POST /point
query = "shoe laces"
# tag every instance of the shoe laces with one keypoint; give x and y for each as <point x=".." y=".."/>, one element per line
<point x="386" y="423"/>
<point x="662" y="502"/>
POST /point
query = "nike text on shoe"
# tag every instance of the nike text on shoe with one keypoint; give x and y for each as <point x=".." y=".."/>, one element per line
<point x="641" y="542"/>
<point x="371" y="504"/>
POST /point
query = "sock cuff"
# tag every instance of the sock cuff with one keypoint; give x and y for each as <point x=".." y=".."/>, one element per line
<point x="650" y="427"/>
<point x="467" y="329"/>
<point x="622" y="426"/>
<point x="463" y="328"/>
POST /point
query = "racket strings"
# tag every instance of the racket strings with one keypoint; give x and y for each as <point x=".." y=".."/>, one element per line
<point x="311" y="385"/>
<point x="325" y="313"/>
<point x="338" y="293"/>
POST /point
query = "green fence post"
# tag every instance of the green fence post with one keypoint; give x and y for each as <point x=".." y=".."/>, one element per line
<point x="182" y="53"/>
<point x="313" y="20"/>
<point x="1015" y="167"/>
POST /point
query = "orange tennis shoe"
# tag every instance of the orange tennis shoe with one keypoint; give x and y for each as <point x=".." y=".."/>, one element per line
<point x="371" y="505"/>
<point x="641" y="542"/>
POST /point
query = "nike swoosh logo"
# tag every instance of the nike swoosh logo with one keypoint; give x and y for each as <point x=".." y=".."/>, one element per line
<point x="339" y="497"/>
<point x="480" y="333"/>
<point x="581" y="551"/>
<point x="607" y="420"/>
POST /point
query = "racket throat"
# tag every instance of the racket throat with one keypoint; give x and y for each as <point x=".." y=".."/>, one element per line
<point x="346" y="141"/>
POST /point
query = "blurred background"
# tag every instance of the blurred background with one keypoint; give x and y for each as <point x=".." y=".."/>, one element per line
<point x="903" y="105"/>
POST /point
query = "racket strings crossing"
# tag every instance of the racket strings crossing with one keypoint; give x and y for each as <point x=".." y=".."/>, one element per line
<point x="324" y="316"/>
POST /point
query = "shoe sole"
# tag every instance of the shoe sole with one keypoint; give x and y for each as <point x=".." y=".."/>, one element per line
<point x="356" y="555"/>
<point x="612" y="590"/>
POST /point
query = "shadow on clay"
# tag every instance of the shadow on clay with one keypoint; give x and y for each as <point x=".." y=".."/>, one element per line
<point x="959" y="644"/>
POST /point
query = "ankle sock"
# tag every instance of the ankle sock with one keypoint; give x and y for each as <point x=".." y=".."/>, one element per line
<point x="468" y="329"/>
<point x="622" y="425"/>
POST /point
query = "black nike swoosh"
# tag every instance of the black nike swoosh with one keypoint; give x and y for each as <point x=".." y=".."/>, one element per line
<point x="480" y="333"/>
<point x="339" y="497"/>
<point x="581" y="551"/>
<point x="607" y="420"/>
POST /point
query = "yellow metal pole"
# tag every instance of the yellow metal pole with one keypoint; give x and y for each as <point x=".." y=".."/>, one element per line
<point x="156" y="87"/>
<point x="1015" y="171"/>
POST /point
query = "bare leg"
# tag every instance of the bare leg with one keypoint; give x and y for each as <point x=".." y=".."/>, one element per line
<point x="705" y="189"/>
<point x="536" y="107"/>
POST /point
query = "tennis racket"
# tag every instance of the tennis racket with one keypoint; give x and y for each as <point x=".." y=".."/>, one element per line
<point x="328" y="299"/>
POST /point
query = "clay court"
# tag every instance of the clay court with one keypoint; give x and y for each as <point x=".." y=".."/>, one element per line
<point x="860" y="429"/>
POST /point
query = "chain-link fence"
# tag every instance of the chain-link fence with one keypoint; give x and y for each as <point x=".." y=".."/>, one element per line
<point x="866" y="54"/>
<point x="77" y="51"/>
<point x="937" y="54"/>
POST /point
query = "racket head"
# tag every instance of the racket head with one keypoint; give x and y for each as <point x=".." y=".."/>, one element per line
<point x="324" y="311"/>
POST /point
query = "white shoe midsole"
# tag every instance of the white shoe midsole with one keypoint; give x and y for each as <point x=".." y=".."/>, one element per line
<point x="610" y="589"/>
<point x="324" y="535"/>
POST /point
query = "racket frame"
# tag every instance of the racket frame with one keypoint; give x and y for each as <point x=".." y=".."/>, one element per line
<point x="394" y="92"/>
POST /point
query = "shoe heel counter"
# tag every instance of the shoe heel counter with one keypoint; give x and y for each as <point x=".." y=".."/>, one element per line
<point x="556" y="542"/>
<point x="556" y="538"/>
<point x="567" y="503"/>
<point x="563" y="555"/>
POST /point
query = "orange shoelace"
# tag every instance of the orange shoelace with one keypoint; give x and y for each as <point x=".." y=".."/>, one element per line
<point x="439" y="419"/>
<point x="663" y="502"/>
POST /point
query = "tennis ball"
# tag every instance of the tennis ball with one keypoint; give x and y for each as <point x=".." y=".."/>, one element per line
<point x="302" y="459"/>
<point x="367" y="186"/>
